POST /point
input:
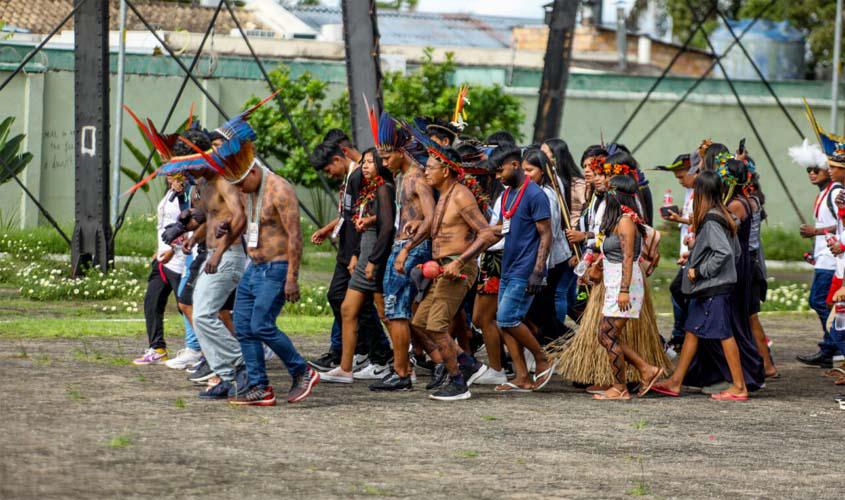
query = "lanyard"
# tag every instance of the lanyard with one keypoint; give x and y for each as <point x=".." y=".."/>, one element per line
<point x="821" y="198"/>
<point x="254" y="216"/>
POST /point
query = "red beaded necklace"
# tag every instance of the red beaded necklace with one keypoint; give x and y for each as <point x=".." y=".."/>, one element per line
<point x="507" y="214"/>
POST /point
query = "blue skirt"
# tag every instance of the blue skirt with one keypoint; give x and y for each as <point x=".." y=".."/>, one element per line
<point x="710" y="317"/>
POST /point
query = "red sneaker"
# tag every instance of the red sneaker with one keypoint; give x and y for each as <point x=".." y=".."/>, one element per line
<point x="256" y="396"/>
<point x="302" y="385"/>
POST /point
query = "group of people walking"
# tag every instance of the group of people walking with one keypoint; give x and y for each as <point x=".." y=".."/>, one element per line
<point x="448" y="243"/>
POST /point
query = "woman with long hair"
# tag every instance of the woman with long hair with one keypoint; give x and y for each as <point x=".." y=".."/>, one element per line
<point x="709" y="277"/>
<point x="561" y="276"/>
<point x="574" y="186"/>
<point x="374" y="218"/>
<point x="621" y="237"/>
<point x="712" y="360"/>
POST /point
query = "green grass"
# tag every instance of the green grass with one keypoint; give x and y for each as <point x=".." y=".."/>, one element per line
<point x="120" y="441"/>
<point x="180" y="404"/>
<point x="640" y="489"/>
<point x="36" y="326"/>
<point x="74" y="394"/>
<point x="94" y="356"/>
<point x="467" y="454"/>
<point x="489" y="418"/>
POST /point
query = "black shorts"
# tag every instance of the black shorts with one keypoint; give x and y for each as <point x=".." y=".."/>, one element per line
<point x="187" y="295"/>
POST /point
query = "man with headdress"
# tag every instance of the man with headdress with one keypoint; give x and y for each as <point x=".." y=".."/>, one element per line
<point x="459" y="232"/>
<point x="836" y="163"/>
<point x="415" y="212"/>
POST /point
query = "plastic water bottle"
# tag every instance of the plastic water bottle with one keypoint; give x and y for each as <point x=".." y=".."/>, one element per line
<point x="582" y="266"/>
<point x="839" y="319"/>
<point x="667" y="198"/>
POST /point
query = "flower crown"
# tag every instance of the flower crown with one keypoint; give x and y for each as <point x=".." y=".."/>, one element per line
<point x="611" y="169"/>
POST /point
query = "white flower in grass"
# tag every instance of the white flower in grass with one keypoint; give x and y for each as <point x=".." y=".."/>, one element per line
<point x="76" y="291"/>
<point x="114" y="308"/>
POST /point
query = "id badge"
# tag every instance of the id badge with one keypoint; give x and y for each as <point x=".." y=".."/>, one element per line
<point x="337" y="227"/>
<point x="506" y="226"/>
<point x="252" y="235"/>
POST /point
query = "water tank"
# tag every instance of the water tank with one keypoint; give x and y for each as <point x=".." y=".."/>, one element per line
<point x="776" y="47"/>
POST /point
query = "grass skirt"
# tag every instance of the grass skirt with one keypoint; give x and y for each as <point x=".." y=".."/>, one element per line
<point x="582" y="358"/>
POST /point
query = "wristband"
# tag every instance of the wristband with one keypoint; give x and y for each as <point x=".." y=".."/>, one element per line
<point x="841" y="247"/>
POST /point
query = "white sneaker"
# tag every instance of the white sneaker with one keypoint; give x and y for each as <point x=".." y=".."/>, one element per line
<point x="413" y="376"/>
<point x="530" y="363"/>
<point x="838" y="357"/>
<point x="184" y="358"/>
<point x="492" y="377"/>
<point x="268" y="353"/>
<point x="359" y="361"/>
<point x="372" y="372"/>
<point x="337" y="376"/>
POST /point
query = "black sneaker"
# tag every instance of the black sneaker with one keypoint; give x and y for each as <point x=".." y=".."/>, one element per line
<point x="471" y="373"/>
<point x="325" y="362"/>
<point x="423" y="365"/>
<point x="219" y="391"/>
<point x="439" y="377"/>
<point x="240" y="385"/>
<point x="202" y="374"/>
<point x="819" y="359"/>
<point x="452" y="392"/>
<point x="393" y="382"/>
<point x="196" y="366"/>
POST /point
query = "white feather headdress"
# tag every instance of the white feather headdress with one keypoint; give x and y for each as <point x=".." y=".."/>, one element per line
<point x="808" y="155"/>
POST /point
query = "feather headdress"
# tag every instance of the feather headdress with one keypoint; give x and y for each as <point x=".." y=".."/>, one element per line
<point x="459" y="116"/>
<point x="808" y="155"/>
<point x="386" y="134"/>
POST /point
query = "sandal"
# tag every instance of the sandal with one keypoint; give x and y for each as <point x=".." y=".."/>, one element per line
<point x="835" y="372"/>
<point x="727" y="396"/>
<point x="597" y="389"/>
<point x="839" y="381"/>
<point x="510" y="387"/>
<point x="613" y="394"/>
<point x="543" y="378"/>
<point x="647" y="386"/>
<point x="661" y="389"/>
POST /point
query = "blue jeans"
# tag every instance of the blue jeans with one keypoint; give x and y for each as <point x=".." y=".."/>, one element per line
<point x="191" y="341"/>
<point x="564" y="293"/>
<point x="399" y="291"/>
<point x="337" y="337"/>
<point x="818" y="294"/>
<point x="514" y="302"/>
<point x="260" y="297"/>
<point x="680" y="308"/>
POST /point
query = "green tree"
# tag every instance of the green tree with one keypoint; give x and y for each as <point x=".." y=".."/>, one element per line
<point x="303" y="96"/>
<point x="430" y="91"/>
<point x="12" y="162"/>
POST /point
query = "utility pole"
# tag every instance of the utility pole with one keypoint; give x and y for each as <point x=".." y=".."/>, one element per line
<point x="92" y="232"/>
<point x="837" y="51"/>
<point x="363" y="67"/>
<point x="561" y="21"/>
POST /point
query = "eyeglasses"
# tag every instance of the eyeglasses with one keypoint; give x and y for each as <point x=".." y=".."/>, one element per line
<point x="814" y="170"/>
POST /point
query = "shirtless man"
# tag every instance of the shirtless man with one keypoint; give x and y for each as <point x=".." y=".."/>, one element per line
<point x="225" y="222"/>
<point x="416" y="209"/>
<point x="459" y="232"/>
<point x="274" y="244"/>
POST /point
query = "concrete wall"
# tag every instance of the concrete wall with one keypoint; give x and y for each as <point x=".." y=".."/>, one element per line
<point x="596" y="105"/>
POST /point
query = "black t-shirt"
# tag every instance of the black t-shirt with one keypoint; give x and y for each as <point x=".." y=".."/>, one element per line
<point x="349" y="238"/>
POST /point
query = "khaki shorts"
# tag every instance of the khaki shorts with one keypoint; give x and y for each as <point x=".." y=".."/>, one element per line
<point x="443" y="300"/>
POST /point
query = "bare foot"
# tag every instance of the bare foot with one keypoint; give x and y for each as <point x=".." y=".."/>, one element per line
<point x="737" y="391"/>
<point x="670" y="383"/>
<point x="648" y="378"/>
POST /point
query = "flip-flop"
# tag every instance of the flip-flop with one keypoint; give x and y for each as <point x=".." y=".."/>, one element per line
<point x="597" y="389"/>
<point x="727" y="396"/>
<point x="510" y="387"/>
<point x="835" y="372"/>
<point x="623" y="395"/>
<point x="839" y="381"/>
<point x="663" y="390"/>
<point x="648" y="386"/>
<point x="547" y="373"/>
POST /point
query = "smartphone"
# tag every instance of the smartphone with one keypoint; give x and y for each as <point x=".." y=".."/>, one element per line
<point x="741" y="147"/>
<point x="664" y="211"/>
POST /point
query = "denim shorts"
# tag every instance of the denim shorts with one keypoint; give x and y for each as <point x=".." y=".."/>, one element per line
<point x="514" y="302"/>
<point x="399" y="291"/>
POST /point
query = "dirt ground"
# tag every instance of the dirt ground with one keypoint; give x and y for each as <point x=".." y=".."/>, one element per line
<point x="77" y="423"/>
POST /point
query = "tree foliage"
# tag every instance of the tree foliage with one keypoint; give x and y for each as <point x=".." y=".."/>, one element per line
<point x="429" y="90"/>
<point x="11" y="162"/>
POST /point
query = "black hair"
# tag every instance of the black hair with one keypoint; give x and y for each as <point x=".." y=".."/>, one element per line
<point x="711" y="155"/>
<point x="504" y="154"/>
<point x="338" y="137"/>
<point x="198" y="137"/>
<point x="536" y="157"/>
<point x="621" y="158"/>
<point x="564" y="163"/>
<point x="757" y="189"/>
<point x="592" y="151"/>
<point x="381" y="170"/>
<point x="736" y="170"/>
<point x="501" y="138"/>
<point x="622" y="191"/>
<point x="323" y="155"/>
<point x="707" y="195"/>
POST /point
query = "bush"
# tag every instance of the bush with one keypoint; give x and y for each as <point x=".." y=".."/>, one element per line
<point x="312" y="302"/>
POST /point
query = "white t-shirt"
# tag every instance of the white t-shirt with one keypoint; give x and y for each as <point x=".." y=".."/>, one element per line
<point x="686" y="213"/>
<point x="494" y="221"/>
<point x="825" y="218"/>
<point x="168" y="213"/>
